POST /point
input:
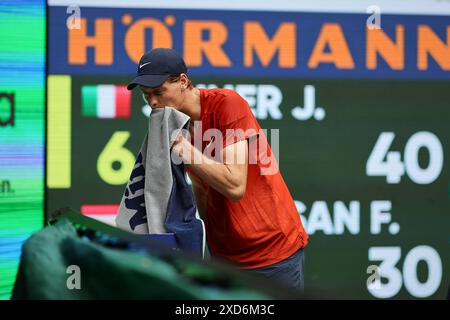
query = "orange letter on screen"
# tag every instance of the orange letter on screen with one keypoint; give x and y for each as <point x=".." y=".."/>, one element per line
<point x="429" y="43"/>
<point x="101" y="41"/>
<point x="195" y="46"/>
<point x="331" y="34"/>
<point x="283" y="41"/>
<point x="135" y="37"/>
<point x="392" y="52"/>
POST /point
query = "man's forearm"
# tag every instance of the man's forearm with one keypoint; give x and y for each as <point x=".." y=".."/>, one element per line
<point x="228" y="179"/>
<point x="218" y="175"/>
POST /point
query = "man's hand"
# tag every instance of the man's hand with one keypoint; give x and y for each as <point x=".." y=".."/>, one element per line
<point x="183" y="148"/>
<point x="229" y="177"/>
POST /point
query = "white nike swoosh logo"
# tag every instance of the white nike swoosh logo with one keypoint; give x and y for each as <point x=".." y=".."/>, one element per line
<point x="144" y="64"/>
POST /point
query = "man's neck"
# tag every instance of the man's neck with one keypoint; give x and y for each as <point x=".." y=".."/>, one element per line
<point x="192" y="105"/>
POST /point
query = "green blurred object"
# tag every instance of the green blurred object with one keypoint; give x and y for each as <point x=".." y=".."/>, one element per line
<point x="114" y="264"/>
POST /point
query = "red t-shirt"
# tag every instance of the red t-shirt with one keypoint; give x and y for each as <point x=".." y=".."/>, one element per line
<point x="263" y="227"/>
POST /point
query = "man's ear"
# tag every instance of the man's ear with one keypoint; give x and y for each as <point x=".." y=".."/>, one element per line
<point x="183" y="81"/>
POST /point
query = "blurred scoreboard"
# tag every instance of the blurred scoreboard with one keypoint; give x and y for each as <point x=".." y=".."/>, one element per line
<point x="361" y="108"/>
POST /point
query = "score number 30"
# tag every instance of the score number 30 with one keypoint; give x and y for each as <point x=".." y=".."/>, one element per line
<point x="394" y="169"/>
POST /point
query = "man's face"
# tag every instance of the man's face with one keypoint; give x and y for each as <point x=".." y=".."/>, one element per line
<point x="168" y="94"/>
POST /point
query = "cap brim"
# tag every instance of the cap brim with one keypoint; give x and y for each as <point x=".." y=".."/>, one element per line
<point x="152" y="81"/>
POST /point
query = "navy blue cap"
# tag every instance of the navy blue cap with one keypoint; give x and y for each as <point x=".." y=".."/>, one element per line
<point x="156" y="66"/>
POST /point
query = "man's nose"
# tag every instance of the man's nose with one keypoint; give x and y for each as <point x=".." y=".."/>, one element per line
<point x="154" y="102"/>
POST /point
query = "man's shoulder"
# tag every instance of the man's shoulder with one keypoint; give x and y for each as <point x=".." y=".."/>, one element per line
<point x="223" y="100"/>
<point x="220" y="94"/>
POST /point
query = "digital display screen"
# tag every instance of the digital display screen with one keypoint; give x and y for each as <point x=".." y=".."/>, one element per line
<point x="362" y="116"/>
<point x="22" y="130"/>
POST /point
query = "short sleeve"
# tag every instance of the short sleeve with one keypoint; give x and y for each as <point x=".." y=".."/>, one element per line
<point x="235" y="119"/>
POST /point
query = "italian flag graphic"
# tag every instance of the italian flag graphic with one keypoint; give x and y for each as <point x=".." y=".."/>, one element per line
<point x="105" y="101"/>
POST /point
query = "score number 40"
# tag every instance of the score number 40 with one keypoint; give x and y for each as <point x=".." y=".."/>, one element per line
<point x="393" y="168"/>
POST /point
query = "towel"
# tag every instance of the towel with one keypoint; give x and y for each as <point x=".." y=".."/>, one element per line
<point x="157" y="200"/>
